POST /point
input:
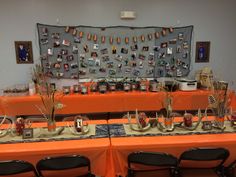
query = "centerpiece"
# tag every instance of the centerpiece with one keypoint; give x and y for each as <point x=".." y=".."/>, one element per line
<point x="49" y="98"/>
<point x="218" y="103"/>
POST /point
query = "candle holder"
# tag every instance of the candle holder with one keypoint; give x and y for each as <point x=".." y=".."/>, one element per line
<point x="188" y="123"/>
<point x="188" y="120"/>
<point x="233" y="119"/>
<point x="77" y="125"/>
<point x="141" y="124"/>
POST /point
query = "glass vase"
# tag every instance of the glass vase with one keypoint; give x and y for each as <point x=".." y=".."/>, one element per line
<point x="51" y="124"/>
<point x="169" y="122"/>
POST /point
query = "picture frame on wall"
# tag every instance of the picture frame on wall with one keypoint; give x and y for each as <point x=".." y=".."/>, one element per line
<point x="24" y="52"/>
<point x="202" y="52"/>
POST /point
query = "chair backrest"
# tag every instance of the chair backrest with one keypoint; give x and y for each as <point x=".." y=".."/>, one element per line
<point x="205" y="154"/>
<point x="16" y="167"/>
<point x="62" y="163"/>
<point x="231" y="170"/>
<point x="152" y="159"/>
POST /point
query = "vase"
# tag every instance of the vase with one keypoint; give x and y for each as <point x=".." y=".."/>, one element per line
<point x="168" y="122"/>
<point x="188" y="120"/>
<point x="220" y="121"/>
<point x="51" y="125"/>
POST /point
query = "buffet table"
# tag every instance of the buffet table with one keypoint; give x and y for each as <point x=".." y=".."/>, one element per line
<point x="108" y="102"/>
<point x="96" y="149"/>
<point x="122" y="146"/>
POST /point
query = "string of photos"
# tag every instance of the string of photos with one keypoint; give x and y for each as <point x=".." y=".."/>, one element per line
<point x="114" y="52"/>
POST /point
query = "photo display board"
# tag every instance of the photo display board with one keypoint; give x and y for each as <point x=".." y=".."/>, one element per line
<point x="114" y="52"/>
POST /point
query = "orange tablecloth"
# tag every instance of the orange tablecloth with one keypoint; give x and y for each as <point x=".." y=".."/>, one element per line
<point x="97" y="150"/>
<point x="109" y="102"/>
<point x="122" y="146"/>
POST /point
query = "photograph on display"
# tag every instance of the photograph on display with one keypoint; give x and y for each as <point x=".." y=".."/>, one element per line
<point x="24" y="53"/>
<point x="202" y="52"/>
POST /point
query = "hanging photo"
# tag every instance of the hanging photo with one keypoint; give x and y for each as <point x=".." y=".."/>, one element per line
<point x="59" y="58"/>
<point x="56" y="35"/>
<point x="118" y="58"/>
<point x="157" y="35"/>
<point x="156" y="48"/>
<point x="89" y="36"/>
<point x="66" y="67"/>
<point x="185" y="45"/>
<point x="126" y="40"/>
<point x="66" y="42"/>
<point x="97" y="62"/>
<point x="50" y="51"/>
<point x="57" y="65"/>
<point x="111" y="40"/>
<point x="64" y="51"/>
<point x="95" y="38"/>
<point x="202" y="52"/>
<point x="105" y="58"/>
<point x="74" y="65"/>
<point x="133" y="56"/>
<point x="145" y="48"/>
<point x="24" y="52"/>
<point x="75" y="49"/>
<point x="104" y="51"/>
<point x="70" y="58"/>
<point x="95" y="46"/>
<point x="164" y="45"/>
<point x="103" y="39"/>
<point x="94" y="54"/>
<point x="74" y="32"/>
<point x="118" y="40"/>
<point x="86" y="49"/>
<point x="77" y="39"/>
<point x="135" y="39"/>
<point x="181" y="36"/>
<point x="91" y="62"/>
<point x="44" y="41"/>
<point x="113" y="49"/>
<point x="141" y="57"/>
<point x="74" y="76"/>
<point x="124" y="50"/>
<point x="169" y="51"/>
<point x="56" y="43"/>
<point x="151" y="56"/>
<point x="149" y="37"/>
<point x="173" y="41"/>
<point x="134" y="47"/>
<point x="45" y="31"/>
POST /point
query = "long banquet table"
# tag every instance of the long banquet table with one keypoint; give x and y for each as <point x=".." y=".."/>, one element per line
<point x="96" y="149"/>
<point x="122" y="146"/>
<point x="108" y="102"/>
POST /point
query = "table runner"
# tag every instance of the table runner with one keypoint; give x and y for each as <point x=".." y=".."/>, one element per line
<point x="42" y="135"/>
<point x="124" y="130"/>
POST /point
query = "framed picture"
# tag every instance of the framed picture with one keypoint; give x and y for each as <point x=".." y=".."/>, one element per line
<point x="202" y="52"/>
<point x="28" y="133"/>
<point x="24" y="53"/>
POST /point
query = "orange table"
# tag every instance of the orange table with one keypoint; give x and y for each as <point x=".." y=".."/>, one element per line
<point x="97" y="150"/>
<point x="109" y="102"/>
<point x="122" y="146"/>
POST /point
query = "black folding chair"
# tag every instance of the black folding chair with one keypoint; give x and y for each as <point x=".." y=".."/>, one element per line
<point x="205" y="162"/>
<point x="161" y="163"/>
<point x="64" y="163"/>
<point x="13" y="167"/>
<point x="230" y="171"/>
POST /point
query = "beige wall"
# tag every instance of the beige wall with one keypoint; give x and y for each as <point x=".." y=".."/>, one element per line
<point x="213" y="20"/>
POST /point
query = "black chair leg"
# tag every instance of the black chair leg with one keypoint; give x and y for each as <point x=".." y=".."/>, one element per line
<point x="130" y="173"/>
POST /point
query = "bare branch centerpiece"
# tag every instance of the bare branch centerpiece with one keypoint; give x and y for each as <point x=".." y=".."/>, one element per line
<point x="49" y="98"/>
<point x="218" y="103"/>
